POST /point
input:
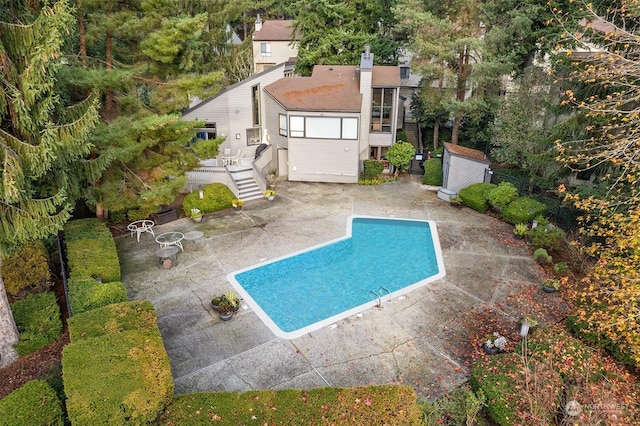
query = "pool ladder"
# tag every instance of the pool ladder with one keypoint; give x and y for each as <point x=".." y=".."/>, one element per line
<point x="379" y="294"/>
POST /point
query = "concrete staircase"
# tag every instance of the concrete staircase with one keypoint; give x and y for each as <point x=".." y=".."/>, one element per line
<point x="411" y="130"/>
<point x="248" y="189"/>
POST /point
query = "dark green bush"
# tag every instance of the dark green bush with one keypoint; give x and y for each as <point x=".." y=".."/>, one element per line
<point x="357" y="406"/>
<point x="549" y="237"/>
<point x="85" y="293"/>
<point x="33" y="404"/>
<point x="122" y="378"/>
<point x="217" y="196"/>
<point x="432" y="172"/>
<point x="372" y="168"/>
<point x="111" y="319"/>
<point x="522" y="210"/>
<point x="502" y="195"/>
<point x="476" y="196"/>
<point x="26" y="271"/>
<point x="38" y="320"/>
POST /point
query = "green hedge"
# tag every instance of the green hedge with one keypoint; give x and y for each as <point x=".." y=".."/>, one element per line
<point x="85" y="293"/>
<point x="523" y="210"/>
<point x="26" y="271"/>
<point x="371" y="169"/>
<point x="432" y="172"/>
<point x="122" y="378"/>
<point x="111" y="319"/>
<point x="86" y="229"/>
<point x="359" y="406"/>
<point x="38" y="320"/>
<point x="33" y="404"/>
<point x="502" y="195"/>
<point x="94" y="257"/>
<point x="476" y="196"/>
<point x="217" y="196"/>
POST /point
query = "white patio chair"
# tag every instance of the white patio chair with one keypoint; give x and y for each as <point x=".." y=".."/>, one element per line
<point x="236" y="158"/>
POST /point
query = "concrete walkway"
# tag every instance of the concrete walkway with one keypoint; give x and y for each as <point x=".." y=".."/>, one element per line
<point x="409" y="340"/>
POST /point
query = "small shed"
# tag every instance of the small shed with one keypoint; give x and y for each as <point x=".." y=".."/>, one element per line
<point x="462" y="166"/>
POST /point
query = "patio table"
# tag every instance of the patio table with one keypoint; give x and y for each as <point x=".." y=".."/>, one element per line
<point x="170" y="239"/>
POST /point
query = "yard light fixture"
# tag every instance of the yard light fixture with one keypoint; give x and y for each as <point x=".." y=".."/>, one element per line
<point x="201" y="193"/>
<point x="524" y="328"/>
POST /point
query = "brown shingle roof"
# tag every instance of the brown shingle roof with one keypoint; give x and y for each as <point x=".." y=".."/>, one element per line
<point x="275" y="31"/>
<point x="330" y="88"/>
<point x="463" y="151"/>
<point x="385" y="76"/>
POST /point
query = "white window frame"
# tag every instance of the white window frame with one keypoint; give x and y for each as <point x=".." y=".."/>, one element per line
<point x="282" y="118"/>
<point x="347" y="127"/>
<point x="265" y="49"/>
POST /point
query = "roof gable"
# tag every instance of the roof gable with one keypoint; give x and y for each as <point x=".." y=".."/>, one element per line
<point x="275" y="31"/>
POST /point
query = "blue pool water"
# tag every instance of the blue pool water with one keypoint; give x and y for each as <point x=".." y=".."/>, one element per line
<point x="311" y="289"/>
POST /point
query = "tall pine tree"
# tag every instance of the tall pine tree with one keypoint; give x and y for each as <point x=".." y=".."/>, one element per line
<point x="43" y="142"/>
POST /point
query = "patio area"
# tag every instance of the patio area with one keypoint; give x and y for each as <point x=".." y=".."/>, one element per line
<point x="421" y="339"/>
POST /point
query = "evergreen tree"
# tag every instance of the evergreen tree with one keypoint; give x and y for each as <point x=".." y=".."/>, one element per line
<point x="44" y="142"/>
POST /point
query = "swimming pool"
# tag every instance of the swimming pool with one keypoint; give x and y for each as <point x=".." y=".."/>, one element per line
<point x="378" y="259"/>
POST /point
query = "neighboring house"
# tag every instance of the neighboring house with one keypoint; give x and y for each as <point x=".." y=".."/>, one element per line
<point x="272" y="44"/>
<point x="462" y="166"/>
<point x="320" y="127"/>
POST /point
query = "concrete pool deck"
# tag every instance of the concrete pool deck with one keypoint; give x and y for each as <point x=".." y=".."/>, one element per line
<point x="410" y="340"/>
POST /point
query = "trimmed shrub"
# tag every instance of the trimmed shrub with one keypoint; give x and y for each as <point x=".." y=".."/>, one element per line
<point x="502" y="195"/>
<point x="400" y="155"/>
<point x="34" y="404"/>
<point x="122" y="378"/>
<point x="111" y="319"/>
<point x="94" y="258"/>
<point x="371" y="169"/>
<point x="357" y="406"/>
<point x="523" y="210"/>
<point x="549" y="237"/>
<point x="476" y="196"/>
<point x="432" y="172"/>
<point x="583" y="330"/>
<point x="26" y="271"/>
<point x="86" y="229"/>
<point x="85" y="293"/>
<point x="38" y="320"/>
<point x="217" y="196"/>
<point x="542" y="257"/>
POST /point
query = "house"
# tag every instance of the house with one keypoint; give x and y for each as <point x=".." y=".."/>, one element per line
<point x="272" y="44"/>
<point x="320" y="128"/>
<point x="462" y="166"/>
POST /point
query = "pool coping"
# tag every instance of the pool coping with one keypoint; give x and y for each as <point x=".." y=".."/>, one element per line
<point x="330" y="322"/>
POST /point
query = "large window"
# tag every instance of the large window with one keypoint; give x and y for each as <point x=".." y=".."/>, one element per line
<point x="255" y="103"/>
<point x="282" y="118"/>
<point x="381" y="109"/>
<point x="265" y="49"/>
<point x="208" y="132"/>
<point x="323" y="127"/>
<point x="254" y="136"/>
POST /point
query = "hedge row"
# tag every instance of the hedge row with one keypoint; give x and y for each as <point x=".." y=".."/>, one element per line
<point x="116" y="370"/>
<point x="91" y="250"/>
<point x="33" y="404"/>
<point x="38" y="320"/>
<point x="26" y="271"/>
<point x="85" y="293"/>
<point x="358" y="406"/>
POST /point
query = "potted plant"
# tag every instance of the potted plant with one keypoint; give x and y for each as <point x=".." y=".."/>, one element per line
<point x="272" y="179"/>
<point x="270" y="194"/>
<point x="196" y="215"/>
<point x="237" y="204"/>
<point x="233" y="299"/>
<point x="225" y="310"/>
<point x="494" y="343"/>
<point x="215" y="302"/>
<point x="550" y="285"/>
<point x="520" y="230"/>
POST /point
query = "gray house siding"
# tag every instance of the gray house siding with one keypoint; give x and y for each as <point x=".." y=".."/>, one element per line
<point x="231" y="110"/>
<point x="323" y="160"/>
